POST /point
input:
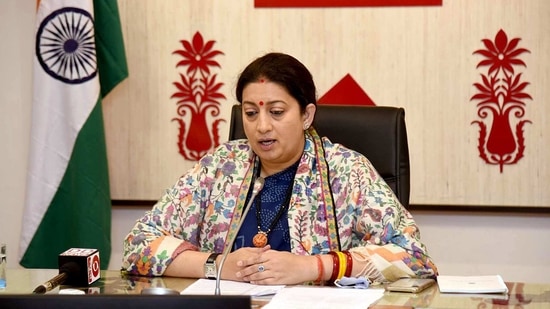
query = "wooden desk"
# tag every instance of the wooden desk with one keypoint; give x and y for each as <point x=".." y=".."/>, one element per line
<point x="23" y="281"/>
<point x="522" y="295"/>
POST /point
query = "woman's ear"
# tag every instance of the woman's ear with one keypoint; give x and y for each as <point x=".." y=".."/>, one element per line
<point x="309" y="115"/>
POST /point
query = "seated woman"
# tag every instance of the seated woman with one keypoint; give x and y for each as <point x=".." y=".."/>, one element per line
<point x="323" y="212"/>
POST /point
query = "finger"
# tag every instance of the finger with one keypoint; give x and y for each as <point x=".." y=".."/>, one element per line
<point x="252" y="272"/>
<point x="241" y="263"/>
<point x="254" y="256"/>
<point x="246" y="272"/>
<point x="261" y="278"/>
<point x="256" y="259"/>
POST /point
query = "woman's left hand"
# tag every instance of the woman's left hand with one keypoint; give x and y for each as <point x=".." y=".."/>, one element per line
<point x="278" y="267"/>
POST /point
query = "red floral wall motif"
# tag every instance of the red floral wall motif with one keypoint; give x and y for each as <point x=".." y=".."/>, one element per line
<point x="501" y="101"/>
<point x="342" y="3"/>
<point x="198" y="96"/>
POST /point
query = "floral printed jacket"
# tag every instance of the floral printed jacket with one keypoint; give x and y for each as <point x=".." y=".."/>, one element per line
<point x="203" y="208"/>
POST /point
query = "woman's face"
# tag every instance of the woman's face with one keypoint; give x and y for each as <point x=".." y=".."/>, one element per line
<point x="274" y="124"/>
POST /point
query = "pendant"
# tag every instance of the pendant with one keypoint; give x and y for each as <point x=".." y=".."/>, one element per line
<point x="260" y="239"/>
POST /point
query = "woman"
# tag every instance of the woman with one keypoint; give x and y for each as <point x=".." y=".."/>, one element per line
<point x="323" y="212"/>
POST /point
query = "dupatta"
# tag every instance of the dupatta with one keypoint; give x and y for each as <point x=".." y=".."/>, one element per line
<point x="313" y="155"/>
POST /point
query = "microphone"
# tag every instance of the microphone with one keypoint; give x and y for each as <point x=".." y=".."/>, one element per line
<point x="258" y="186"/>
<point x="77" y="266"/>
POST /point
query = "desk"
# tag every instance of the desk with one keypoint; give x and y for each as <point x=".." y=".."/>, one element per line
<point x="522" y="295"/>
<point x="23" y="281"/>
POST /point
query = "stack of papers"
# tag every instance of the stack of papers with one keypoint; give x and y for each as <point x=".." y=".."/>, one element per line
<point x="299" y="297"/>
<point x="291" y="297"/>
<point x="472" y="284"/>
<point x="228" y="287"/>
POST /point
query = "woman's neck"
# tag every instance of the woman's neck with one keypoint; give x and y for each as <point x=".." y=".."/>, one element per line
<point x="270" y="168"/>
<point x="267" y="170"/>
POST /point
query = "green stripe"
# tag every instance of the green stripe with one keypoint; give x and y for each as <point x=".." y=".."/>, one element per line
<point x="81" y="220"/>
<point x="111" y="58"/>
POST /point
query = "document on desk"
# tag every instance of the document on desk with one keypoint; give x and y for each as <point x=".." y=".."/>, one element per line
<point x="472" y="284"/>
<point x="323" y="298"/>
<point x="228" y="287"/>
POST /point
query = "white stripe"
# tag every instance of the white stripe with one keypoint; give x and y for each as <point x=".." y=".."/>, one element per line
<point x="59" y="112"/>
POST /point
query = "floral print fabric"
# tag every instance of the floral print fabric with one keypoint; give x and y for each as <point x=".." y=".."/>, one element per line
<point x="203" y="208"/>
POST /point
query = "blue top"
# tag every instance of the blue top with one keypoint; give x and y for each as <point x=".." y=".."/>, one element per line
<point x="273" y="196"/>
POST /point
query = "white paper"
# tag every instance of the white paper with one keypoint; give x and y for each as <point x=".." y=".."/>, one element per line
<point x="228" y="287"/>
<point x="471" y="284"/>
<point x="323" y="298"/>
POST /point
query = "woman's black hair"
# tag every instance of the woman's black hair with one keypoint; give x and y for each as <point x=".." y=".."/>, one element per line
<point x="284" y="70"/>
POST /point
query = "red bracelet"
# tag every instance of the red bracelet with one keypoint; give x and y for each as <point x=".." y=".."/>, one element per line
<point x="335" y="266"/>
<point x="320" y="269"/>
<point x="349" y="265"/>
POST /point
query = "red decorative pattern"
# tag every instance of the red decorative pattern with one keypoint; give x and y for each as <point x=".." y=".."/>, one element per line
<point x="197" y="94"/>
<point x="346" y="92"/>
<point x="342" y="3"/>
<point x="501" y="102"/>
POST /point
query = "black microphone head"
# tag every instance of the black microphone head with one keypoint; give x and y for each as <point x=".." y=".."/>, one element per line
<point x="71" y="268"/>
<point x="80" y="265"/>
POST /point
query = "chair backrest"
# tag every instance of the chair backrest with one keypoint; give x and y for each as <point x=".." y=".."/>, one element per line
<point x="377" y="132"/>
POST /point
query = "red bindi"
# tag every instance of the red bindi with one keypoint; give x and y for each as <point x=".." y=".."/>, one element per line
<point x="262" y="80"/>
<point x="261" y="103"/>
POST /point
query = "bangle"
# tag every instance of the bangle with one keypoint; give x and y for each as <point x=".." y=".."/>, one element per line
<point x="342" y="268"/>
<point x="349" y="264"/>
<point x="335" y="266"/>
<point x="320" y="270"/>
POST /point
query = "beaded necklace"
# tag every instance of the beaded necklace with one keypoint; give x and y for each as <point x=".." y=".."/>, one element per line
<point x="260" y="239"/>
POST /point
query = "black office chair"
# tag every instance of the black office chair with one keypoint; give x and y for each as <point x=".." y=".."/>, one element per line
<point x="378" y="132"/>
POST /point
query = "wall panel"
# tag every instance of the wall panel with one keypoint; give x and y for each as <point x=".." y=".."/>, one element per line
<point x="420" y="58"/>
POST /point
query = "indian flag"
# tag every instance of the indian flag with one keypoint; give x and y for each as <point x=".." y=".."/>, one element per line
<point x="79" y="57"/>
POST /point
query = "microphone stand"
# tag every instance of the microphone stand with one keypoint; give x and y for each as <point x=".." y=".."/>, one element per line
<point x="69" y="269"/>
<point x="51" y="284"/>
<point x="258" y="185"/>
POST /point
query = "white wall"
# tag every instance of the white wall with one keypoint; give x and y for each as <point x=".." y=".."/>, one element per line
<point x="514" y="245"/>
<point x="16" y="38"/>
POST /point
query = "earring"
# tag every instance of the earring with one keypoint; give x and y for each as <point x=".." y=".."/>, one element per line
<point x="306" y="126"/>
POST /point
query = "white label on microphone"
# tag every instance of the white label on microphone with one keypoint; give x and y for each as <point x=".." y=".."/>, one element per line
<point x="79" y="252"/>
<point x="94" y="272"/>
